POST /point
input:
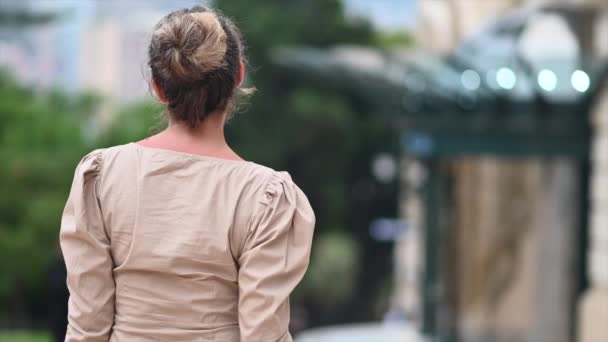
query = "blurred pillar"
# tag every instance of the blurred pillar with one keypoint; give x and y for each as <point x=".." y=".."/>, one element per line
<point x="409" y="248"/>
<point x="513" y="230"/>
<point x="593" y="310"/>
<point x="557" y="233"/>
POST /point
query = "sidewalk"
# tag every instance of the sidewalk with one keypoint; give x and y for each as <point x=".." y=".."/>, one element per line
<point x="368" y="332"/>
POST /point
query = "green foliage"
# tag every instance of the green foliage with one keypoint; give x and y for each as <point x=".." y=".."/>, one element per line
<point x="132" y="123"/>
<point x="335" y="257"/>
<point x="306" y="22"/>
<point x="23" y="337"/>
<point x="40" y="144"/>
<point x="21" y="17"/>
<point x="397" y="39"/>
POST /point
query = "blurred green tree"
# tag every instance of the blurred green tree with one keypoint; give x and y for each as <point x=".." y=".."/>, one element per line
<point x="19" y="17"/>
<point x="41" y="141"/>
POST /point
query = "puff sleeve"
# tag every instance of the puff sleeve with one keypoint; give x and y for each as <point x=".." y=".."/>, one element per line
<point x="86" y="249"/>
<point x="274" y="259"/>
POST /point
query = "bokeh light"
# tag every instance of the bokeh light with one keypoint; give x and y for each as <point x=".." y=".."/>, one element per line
<point x="547" y="80"/>
<point x="580" y="81"/>
<point x="470" y="79"/>
<point x="506" y="78"/>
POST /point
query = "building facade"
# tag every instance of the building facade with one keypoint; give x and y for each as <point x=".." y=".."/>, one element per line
<point x="515" y="263"/>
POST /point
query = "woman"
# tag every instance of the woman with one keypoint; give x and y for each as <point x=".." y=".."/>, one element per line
<point x="176" y="238"/>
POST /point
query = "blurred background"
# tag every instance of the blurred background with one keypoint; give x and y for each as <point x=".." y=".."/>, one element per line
<point x="455" y="153"/>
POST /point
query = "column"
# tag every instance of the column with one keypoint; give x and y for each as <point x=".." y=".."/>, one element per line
<point x="593" y="309"/>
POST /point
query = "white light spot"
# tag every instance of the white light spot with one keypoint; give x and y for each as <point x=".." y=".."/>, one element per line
<point x="580" y="81"/>
<point x="506" y="78"/>
<point x="547" y="80"/>
<point x="384" y="168"/>
<point x="470" y="79"/>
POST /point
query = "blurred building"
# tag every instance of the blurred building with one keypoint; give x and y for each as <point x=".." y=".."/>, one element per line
<point x="513" y="229"/>
<point x="113" y="58"/>
<point x="94" y="45"/>
<point x="114" y="47"/>
<point x="444" y="24"/>
<point x="44" y="54"/>
<point x="31" y="55"/>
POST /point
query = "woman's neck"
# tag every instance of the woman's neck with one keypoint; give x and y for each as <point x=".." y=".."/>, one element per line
<point x="206" y="139"/>
<point x="210" y="131"/>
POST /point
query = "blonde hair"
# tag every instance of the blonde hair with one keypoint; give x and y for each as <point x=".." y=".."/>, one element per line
<point x="195" y="56"/>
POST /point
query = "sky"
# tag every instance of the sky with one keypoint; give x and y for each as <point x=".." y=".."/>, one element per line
<point x="385" y="14"/>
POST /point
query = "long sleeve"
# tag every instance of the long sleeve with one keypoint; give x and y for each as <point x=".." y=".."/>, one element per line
<point x="86" y="250"/>
<point x="273" y="261"/>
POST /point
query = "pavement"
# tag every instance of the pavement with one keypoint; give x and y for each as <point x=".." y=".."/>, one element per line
<point x="367" y="332"/>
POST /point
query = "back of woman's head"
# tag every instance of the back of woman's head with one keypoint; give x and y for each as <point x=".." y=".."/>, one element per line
<point x="195" y="57"/>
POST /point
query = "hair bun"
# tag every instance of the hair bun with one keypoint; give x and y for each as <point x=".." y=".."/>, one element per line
<point x="195" y="45"/>
<point x="196" y="58"/>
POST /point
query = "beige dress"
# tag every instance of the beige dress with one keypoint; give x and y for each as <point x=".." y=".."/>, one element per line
<point x="169" y="246"/>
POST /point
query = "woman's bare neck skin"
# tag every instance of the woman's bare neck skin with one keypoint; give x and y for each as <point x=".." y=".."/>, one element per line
<point x="206" y="139"/>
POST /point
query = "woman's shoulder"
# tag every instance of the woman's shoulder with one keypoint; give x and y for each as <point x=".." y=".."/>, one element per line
<point x="102" y="153"/>
<point x="90" y="162"/>
<point x="265" y="183"/>
<point x="97" y="161"/>
<point x="267" y="175"/>
<point x="279" y="187"/>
